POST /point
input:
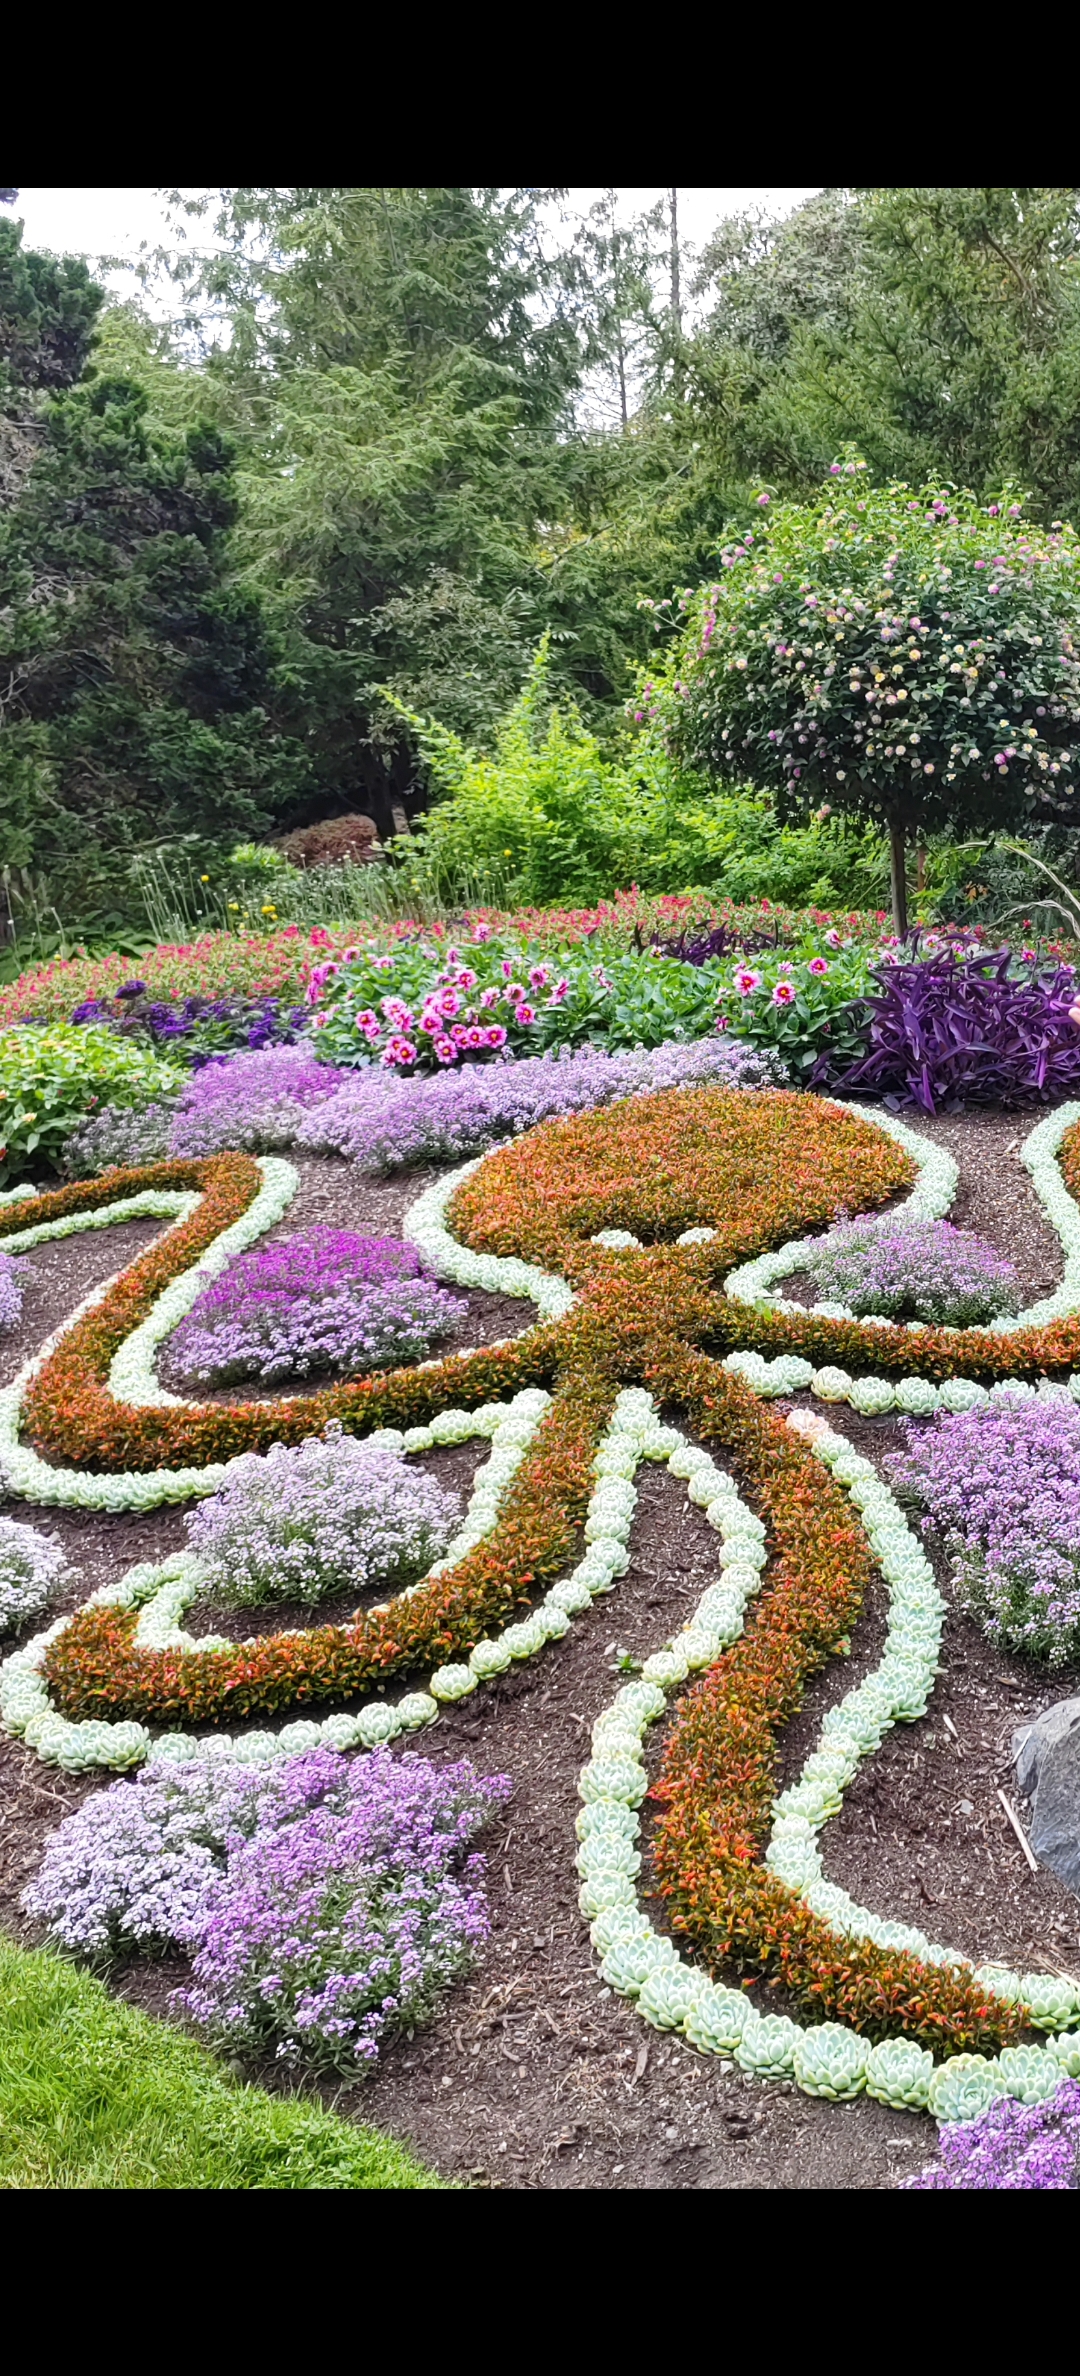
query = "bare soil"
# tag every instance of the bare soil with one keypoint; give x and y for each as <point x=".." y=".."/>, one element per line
<point x="534" y="2076"/>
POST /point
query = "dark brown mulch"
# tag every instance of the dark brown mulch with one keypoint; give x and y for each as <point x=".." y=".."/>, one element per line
<point x="534" y="2075"/>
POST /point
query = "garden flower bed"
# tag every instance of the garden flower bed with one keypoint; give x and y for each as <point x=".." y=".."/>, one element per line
<point x="653" y="1313"/>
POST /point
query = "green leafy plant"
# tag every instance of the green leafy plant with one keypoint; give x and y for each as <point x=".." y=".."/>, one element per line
<point x="51" y="1078"/>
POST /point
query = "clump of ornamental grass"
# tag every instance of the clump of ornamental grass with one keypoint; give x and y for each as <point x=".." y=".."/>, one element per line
<point x="327" y="1902"/>
<point x="32" y="1569"/>
<point x="924" y="1270"/>
<point x="1009" y="2148"/>
<point x="1001" y="1484"/>
<point x="330" y="1515"/>
<point x="330" y="1300"/>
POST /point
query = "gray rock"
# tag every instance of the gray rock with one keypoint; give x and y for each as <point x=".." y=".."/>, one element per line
<point x="1055" y="1822"/>
<point x="1031" y="1742"/>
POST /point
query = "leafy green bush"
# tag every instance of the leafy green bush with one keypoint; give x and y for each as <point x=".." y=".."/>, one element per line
<point x="50" y="1078"/>
<point x="553" y="816"/>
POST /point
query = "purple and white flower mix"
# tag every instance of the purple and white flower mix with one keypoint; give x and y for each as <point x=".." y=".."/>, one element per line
<point x="255" y="1101"/>
<point x="327" y="1901"/>
<point x="1009" y="2147"/>
<point x="329" y="1515"/>
<point x="380" y="1125"/>
<point x="927" y="1270"/>
<point x="1001" y="1484"/>
<point x="118" y="1137"/>
<point x="330" y="1300"/>
<point x="32" y="1568"/>
<point x="13" y="1273"/>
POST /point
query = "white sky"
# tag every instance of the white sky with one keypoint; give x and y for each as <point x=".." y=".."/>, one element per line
<point x="96" y="222"/>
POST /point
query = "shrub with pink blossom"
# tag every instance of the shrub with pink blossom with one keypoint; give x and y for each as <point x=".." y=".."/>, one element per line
<point x="328" y="1901"/>
<point x="326" y="1516"/>
<point x="1001" y="1484"/>
<point x="928" y="1270"/>
<point x="1010" y="2147"/>
<point x="330" y="1300"/>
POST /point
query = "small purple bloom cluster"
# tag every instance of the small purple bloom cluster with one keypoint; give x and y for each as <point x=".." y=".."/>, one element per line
<point x="928" y="1271"/>
<point x="254" y="1101"/>
<point x="327" y="1901"/>
<point x="327" y="1301"/>
<point x="13" y="1272"/>
<point x="329" y="1515"/>
<point x="1010" y="2146"/>
<point x="1002" y="1485"/>
<point x="118" y="1137"/>
<point x="381" y="1124"/>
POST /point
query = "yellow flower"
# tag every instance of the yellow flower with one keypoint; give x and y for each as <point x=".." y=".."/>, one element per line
<point x="204" y="878"/>
<point x="234" y="904"/>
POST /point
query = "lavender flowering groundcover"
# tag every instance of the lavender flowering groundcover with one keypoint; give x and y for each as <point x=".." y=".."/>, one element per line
<point x="328" y="1300"/>
<point x="917" y="1270"/>
<point x="254" y="1101"/>
<point x="13" y="1276"/>
<point x="1011" y="2147"/>
<point x="380" y="1124"/>
<point x="327" y="1901"/>
<point x="1001" y="1483"/>
<point x="333" y="1514"/>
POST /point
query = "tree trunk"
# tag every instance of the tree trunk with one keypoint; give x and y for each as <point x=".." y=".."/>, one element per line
<point x="898" y="877"/>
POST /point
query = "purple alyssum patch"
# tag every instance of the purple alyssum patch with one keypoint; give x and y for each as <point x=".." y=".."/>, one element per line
<point x="928" y="1270"/>
<point x="327" y="1901"/>
<point x="329" y="1300"/>
<point x="329" y="1515"/>
<point x="1010" y="2147"/>
<point x="381" y="1124"/>
<point x="1001" y="1484"/>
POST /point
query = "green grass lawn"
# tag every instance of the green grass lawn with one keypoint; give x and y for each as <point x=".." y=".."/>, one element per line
<point x="96" y="2094"/>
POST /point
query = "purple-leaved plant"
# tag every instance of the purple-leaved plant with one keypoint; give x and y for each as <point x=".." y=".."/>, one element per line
<point x="1001" y="1484"/>
<point x="1009" y="2147"/>
<point x="382" y="1123"/>
<point x="329" y="1300"/>
<point x="928" y="1270"/>
<point x="948" y="1031"/>
<point x="329" y="1515"/>
<point x="327" y="1901"/>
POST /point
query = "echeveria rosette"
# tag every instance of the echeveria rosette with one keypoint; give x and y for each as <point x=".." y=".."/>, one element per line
<point x="902" y="653"/>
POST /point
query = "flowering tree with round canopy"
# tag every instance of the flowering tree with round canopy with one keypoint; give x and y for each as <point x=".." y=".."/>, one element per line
<point x="911" y="658"/>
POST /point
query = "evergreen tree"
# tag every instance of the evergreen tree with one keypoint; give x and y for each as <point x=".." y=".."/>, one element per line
<point x="137" y="679"/>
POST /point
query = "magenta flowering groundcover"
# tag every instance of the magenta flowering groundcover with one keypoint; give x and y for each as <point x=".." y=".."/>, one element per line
<point x="327" y="1301"/>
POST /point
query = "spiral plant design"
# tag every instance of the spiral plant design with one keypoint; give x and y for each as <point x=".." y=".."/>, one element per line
<point x="650" y="1236"/>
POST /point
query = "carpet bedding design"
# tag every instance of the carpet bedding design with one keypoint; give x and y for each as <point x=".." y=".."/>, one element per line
<point x="650" y="1236"/>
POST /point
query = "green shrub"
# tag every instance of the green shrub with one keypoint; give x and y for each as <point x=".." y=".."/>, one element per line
<point x="50" y="1078"/>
